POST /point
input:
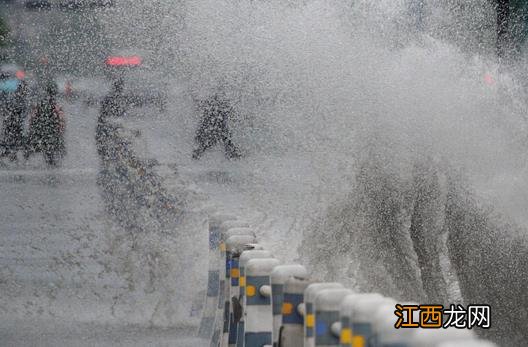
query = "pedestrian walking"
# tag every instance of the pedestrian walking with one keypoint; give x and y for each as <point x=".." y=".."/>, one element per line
<point x="214" y="128"/>
<point x="13" y="126"/>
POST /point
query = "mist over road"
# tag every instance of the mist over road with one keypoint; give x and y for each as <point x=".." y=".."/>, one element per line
<point x="375" y="153"/>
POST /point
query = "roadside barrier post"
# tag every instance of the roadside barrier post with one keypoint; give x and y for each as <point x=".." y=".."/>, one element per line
<point x="215" y="223"/>
<point x="327" y="324"/>
<point x="224" y="226"/>
<point x="207" y="324"/>
<point x="279" y="275"/>
<point x="243" y="260"/>
<point x="258" y="315"/>
<point x="385" y="332"/>
<point x="291" y="333"/>
<point x="227" y="229"/>
<point x="310" y="294"/>
<point x="345" y="317"/>
<point x="235" y="245"/>
<point x="362" y="312"/>
<point x="247" y="236"/>
<point x="226" y="269"/>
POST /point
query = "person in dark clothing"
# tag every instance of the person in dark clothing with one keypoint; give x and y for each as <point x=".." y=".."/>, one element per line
<point x="46" y="128"/>
<point x="114" y="104"/>
<point x="14" y="122"/>
<point x="216" y="112"/>
<point x="503" y="27"/>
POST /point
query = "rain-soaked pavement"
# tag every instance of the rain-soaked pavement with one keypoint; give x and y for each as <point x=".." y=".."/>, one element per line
<point x="69" y="273"/>
<point x="56" y="280"/>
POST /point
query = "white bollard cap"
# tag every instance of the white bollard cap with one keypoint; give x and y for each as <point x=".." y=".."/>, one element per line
<point x="433" y="337"/>
<point x="237" y="231"/>
<point x="281" y="273"/>
<point x="218" y="218"/>
<point x="363" y="309"/>
<point x="229" y="224"/>
<point x="261" y="267"/>
<point x="253" y="254"/>
<point x="237" y="243"/>
<point x="384" y="321"/>
<point x="330" y="299"/>
<point x="296" y="285"/>
<point x="349" y="302"/>
<point x="311" y="291"/>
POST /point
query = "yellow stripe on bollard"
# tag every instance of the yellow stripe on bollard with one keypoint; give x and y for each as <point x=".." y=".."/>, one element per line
<point x="310" y="321"/>
<point x="251" y="291"/>
<point x="235" y="273"/>
<point x="242" y="281"/>
<point x="346" y="336"/>
<point x="287" y="308"/>
<point x="358" y="341"/>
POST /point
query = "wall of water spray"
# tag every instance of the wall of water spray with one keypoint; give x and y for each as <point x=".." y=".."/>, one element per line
<point x="431" y="185"/>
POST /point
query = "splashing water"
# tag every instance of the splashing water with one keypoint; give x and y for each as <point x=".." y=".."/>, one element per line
<point x="356" y="121"/>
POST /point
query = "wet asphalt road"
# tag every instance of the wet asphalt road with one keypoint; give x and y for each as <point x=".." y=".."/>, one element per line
<point x="59" y="280"/>
<point x="58" y="276"/>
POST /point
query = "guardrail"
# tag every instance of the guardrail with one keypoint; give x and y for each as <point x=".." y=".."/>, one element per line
<point x="254" y="300"/>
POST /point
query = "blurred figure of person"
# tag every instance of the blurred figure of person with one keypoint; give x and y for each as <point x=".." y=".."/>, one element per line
<point x="214" y="128"/>
<point x="46" y="128"/>
<point x="114" y="104"/>
<point x="416" y="10"/>
<point x="504" y="42"/>
<point x="15" y="115"/>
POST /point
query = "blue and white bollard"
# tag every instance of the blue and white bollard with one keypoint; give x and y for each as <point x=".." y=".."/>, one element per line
<point x="227" y="230"/>
<point x="230" y="224"/>
<point x="279" y="275"/>
<point x="208" y="327"/>
<point x="386" y="335"/>
<point x="243" y="260"/>
<point x="310" y="294"/>
<point x="215" y="222"/>
<point x="327" y="323"/>
<point x="234" y="246"/>
<point x="362" y="312"/>
<point x="258" y="314"/>
<point x="345" y="317"/>
<point x="225" y="272"/>
<point x="222" y="229"/>
<point x="292" y="330"/>
<point x="225" y="233"/>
